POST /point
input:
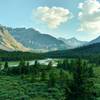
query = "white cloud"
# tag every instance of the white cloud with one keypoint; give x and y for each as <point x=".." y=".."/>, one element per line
<point x="89" y="16"/>
<point x="54" y="16"/>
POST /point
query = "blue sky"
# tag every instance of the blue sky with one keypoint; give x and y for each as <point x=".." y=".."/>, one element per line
<point x="22" y="13"/>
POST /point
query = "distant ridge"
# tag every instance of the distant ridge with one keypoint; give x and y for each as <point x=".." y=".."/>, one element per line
<point x="73" y="42"/>
<point x="96" y="40"/>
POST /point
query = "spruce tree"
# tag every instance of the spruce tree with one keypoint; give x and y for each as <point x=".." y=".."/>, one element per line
<point x="22" y="68"/>
<point x="35" y="71"/>
<point x="6" y="67"/>
<point x="62" y="78"/>
<point x="49" y="66"/>
<point x="52" y="79"/>
<point x="43" y="75"/>
<point x="28" y="68"/>
<point x="81" y="87"/>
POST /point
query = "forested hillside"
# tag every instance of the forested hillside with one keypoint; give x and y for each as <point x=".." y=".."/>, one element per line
<point x="85" y="51"/>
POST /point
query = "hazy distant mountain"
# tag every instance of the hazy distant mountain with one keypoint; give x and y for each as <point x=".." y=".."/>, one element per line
<point x="73" y="42"/>
<point x="34" y="39"/>
<point x="7" y="42"/>
<point x="97" y="40"/>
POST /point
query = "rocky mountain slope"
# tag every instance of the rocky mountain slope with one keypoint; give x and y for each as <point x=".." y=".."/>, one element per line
<point x="96" y="40"/>
<point x="7" y="42"/>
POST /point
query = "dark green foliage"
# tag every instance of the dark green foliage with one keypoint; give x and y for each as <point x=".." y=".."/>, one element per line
<point x="43" y="75"/>
<point x="18" y="56"/>
<point x="62" y="78"/>
<point x="0" y="66"/>
<point x="49" y="67"/>
<point x="28" y="67"/>
<point x="36" y="68"/>
<point x="22" y="67"/>
<point x="6" y="67"/>
<point x="35" y="71"/>
<point x="65" y="64"/>
<point x="33" y="77"/>
<point x="81" y="87"/>
<point x="52" y="79"/>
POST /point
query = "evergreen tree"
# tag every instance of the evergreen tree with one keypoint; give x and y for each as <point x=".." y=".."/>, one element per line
<point x="36" y="67"/>
<point x="66" y="65"/>
<point x="35" y="71"/>
<point x="28" y="67"/>
<point x="6" y="67"/>
<point x="33" y="77"/>
<point x="62" y="77"/>
<point x="81" y="87"/>
<point x="72" y="65"/>
<point x="43" y="75"/>
<point x="49" y="66"/>
<point x="52" y="79"/>
<point x="59" y="65"/>
<point x="0" y="67"/>
<point x="22" y="68"/>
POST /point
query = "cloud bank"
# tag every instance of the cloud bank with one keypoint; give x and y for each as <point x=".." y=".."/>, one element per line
<point x="53" y="16"/>
<point x="89" y="16"/>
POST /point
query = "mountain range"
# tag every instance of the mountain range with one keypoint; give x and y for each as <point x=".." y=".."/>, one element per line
<point x="31" y="38"/>
<point x="24" y="39"/>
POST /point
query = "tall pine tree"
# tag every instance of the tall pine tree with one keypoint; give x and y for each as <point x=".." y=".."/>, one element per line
<point x="81" y="87"/>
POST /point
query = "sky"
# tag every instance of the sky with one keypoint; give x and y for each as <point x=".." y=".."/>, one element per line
<point x="59" y="18"/>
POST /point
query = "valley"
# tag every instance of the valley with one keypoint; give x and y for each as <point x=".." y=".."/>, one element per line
<point x="49" y="49"/>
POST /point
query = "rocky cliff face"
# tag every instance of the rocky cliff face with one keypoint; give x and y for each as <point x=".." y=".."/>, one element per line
<point x="7" y="42"/>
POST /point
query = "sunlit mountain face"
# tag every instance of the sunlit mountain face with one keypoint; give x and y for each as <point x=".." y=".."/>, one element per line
<point x="7" y="42"/>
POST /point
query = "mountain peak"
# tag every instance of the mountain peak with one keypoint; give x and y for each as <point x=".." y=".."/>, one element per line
<point x="73" y="42"/>
<point x="73" y="38"/>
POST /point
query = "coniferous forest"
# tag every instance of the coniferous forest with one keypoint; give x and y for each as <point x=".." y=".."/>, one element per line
<point x="70" y="79"/>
